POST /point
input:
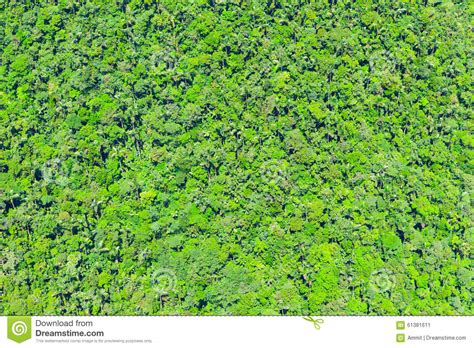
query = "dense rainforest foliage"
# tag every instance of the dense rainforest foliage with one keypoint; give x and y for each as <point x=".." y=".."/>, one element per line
<point x="236" y="157"/>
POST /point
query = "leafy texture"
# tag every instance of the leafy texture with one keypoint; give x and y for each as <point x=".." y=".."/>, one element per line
<point x="236" y="157"/>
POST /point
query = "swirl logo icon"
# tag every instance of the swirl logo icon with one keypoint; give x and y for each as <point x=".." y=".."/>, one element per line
<point x="19" y="328"/>
<point x="163" y="281"/>
<point x="55" y="171"/>
<point x="382" y="280"/>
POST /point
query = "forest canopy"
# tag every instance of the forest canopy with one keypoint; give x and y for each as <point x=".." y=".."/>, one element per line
<point x="240" y="157"/>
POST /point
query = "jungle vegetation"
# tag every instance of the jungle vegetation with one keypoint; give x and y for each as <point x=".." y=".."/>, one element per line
<point x="278" y="157"/>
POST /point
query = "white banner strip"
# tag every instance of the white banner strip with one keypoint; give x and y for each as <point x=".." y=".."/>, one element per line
<point x="236" y="331"/>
